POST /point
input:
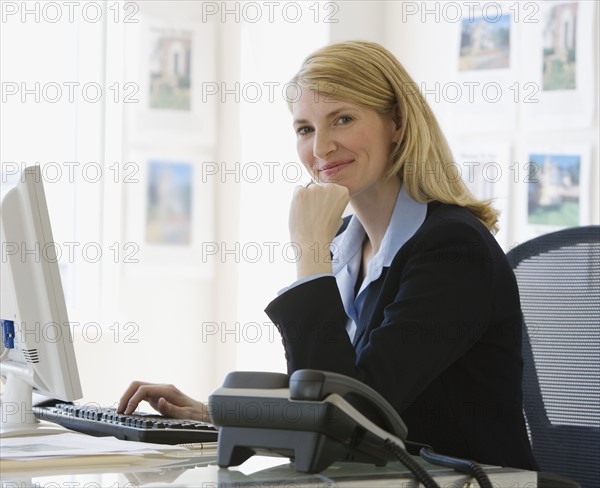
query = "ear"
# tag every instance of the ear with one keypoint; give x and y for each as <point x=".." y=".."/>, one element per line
<point x="397" y="118"/>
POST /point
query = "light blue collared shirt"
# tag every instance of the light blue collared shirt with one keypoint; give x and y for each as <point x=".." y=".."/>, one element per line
<point x="408" y="215"/>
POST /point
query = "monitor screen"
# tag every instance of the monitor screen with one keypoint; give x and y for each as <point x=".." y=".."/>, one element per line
<point x="37" y="348"/>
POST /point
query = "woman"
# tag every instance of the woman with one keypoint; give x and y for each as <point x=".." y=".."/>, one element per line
<point x="416" y="298"/>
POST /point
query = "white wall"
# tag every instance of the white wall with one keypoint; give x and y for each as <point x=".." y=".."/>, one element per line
<point x="268" y="143"/>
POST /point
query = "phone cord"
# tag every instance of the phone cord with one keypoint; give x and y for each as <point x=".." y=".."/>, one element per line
<point x="415" y="468"/>
<point x="463" y="465"/>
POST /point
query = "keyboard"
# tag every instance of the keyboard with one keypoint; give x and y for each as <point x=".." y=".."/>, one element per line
<point x="142" y="427"/>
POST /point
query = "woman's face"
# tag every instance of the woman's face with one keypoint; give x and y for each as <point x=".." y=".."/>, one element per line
<point x="340" y="142"/>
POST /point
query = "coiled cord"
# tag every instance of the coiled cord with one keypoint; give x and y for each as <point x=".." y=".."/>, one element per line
<point x="462" y="465"/>
<point x="415" y="468"/>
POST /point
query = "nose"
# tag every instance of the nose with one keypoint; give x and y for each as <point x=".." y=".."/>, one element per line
<point x="323" y="144"/>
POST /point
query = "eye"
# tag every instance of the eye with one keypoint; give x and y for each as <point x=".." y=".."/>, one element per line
<point x="303" y="130"/>
<point x="344" y="119"/>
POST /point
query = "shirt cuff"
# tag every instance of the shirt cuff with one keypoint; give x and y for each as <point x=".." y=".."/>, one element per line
<point x="301" y="281"/>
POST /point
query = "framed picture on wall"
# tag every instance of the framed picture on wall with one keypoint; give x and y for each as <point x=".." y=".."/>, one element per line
<point x="173" y="70"/>
<point x="169" y="216"/>
<point x="553" y="191"/>
<point x="170" y="69"/>
<point x="557" y="59"/>
<point x="485" y="42"/>
<point x="480" y="95"/>
<point x="169" y="198"/>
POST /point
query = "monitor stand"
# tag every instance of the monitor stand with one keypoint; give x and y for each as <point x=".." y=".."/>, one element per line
<point x="16" y="413"/>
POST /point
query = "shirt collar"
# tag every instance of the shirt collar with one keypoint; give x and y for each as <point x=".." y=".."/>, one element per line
<point x="408" y="215"/>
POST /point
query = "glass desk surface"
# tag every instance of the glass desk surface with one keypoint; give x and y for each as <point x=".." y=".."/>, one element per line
<point x="198" y="468"/>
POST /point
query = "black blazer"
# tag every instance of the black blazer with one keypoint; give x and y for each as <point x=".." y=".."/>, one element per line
<point x="439" y="336"/>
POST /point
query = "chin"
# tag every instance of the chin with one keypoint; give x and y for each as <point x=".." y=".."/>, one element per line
<point x="341" y="183"/>
<point x="352" y="189"/>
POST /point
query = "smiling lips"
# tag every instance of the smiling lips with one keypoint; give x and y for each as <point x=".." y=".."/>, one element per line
<point x="332" y="168"/>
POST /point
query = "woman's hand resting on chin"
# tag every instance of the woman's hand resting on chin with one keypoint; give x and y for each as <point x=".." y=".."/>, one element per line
<point x="315" y="217"/>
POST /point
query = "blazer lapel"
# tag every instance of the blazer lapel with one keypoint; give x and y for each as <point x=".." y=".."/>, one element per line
<point x="373" y="292"/>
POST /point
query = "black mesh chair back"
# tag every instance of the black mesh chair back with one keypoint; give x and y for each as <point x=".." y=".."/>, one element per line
<point x="559" y="285"/>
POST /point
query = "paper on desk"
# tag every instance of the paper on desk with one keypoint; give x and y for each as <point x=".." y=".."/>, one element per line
<point x="71" y="444"/>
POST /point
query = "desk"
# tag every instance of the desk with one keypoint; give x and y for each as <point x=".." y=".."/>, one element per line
<point x="198" y="469"/>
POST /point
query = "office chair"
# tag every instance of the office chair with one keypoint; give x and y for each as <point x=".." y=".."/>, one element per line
<point x="559" y="285"/>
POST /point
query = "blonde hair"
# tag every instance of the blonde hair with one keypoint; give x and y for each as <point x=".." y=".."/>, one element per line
<point x="369" y="75"/>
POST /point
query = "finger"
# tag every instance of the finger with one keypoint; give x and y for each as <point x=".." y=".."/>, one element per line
<point x="172" y="395"/>
<point x="191" y="410"/>
<point x="129" y="392"/>
<point x="131" y="406"/>
<point x="175" y="411"/>
<point x="169" y="410"/>
<point x="144" y="392"/>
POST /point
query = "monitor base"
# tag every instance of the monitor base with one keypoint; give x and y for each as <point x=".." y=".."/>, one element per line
<point x="16" y="412"/>
<point x="26" y="430"/>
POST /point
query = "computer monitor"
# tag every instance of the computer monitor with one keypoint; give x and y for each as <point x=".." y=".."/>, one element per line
<point x="43" y="356"/>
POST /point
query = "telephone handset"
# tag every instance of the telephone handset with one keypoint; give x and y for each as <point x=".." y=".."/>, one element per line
<point x="314" y="417"/>
<point x="316" y="385"/>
